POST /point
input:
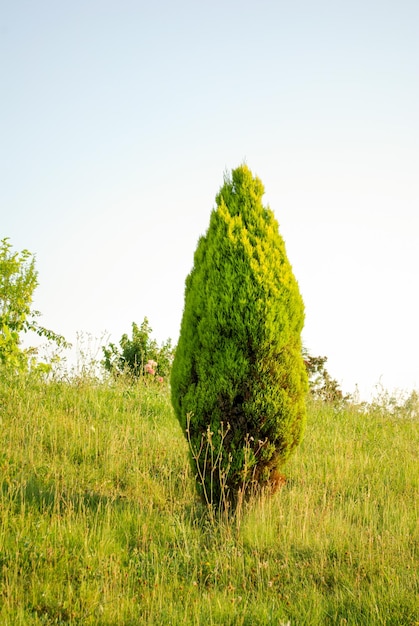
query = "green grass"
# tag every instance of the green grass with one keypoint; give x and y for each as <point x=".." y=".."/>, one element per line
<point x="100" y="523"/>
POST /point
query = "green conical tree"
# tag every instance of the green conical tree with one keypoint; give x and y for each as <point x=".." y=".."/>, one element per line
<point x="238" y="378"/>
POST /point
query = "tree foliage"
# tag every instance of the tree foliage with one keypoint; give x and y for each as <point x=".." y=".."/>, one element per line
<point x="321" y="385"/>
<point x="18" y="281"/>
<point x="238" y="378"/>
<point x="136" y="355"/>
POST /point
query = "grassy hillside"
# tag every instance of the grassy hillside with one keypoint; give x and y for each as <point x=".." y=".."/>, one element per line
<point x="99" y="522"/>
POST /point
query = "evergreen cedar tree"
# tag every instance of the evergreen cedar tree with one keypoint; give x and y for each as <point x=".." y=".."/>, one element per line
<point x="238" y="378"/>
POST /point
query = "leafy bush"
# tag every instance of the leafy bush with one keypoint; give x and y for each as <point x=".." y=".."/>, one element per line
<point x="322" y="386"/>
<point x="18" y="281"/>
<point x="139" y="355"/>
<point x="238" y="377"/>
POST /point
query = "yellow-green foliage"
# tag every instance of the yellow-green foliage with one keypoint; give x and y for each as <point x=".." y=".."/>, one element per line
<point x="18" y="280"/>
<point x="238" y="377"/>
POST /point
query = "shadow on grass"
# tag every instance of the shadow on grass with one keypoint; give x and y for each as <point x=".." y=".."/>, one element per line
<point x="48" y="496"/>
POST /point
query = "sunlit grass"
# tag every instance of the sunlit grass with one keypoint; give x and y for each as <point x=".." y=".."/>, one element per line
<point x="100" y="523"/>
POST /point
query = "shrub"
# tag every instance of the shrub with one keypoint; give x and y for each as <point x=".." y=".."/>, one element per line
<point x="322" y="386"/>
<point x="238" y="378"/>
<point x="139" y="355"/>
<point x="18" y="281"/>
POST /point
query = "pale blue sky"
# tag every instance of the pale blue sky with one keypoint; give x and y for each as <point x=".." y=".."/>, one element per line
<point x="118" y="120"/>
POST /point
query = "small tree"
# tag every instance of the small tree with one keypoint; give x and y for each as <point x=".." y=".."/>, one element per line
<point x="138" y="354"/>
<point x="238" y="377"/>
<point x="321" y="385"/>
<point x="18" y="281"/>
